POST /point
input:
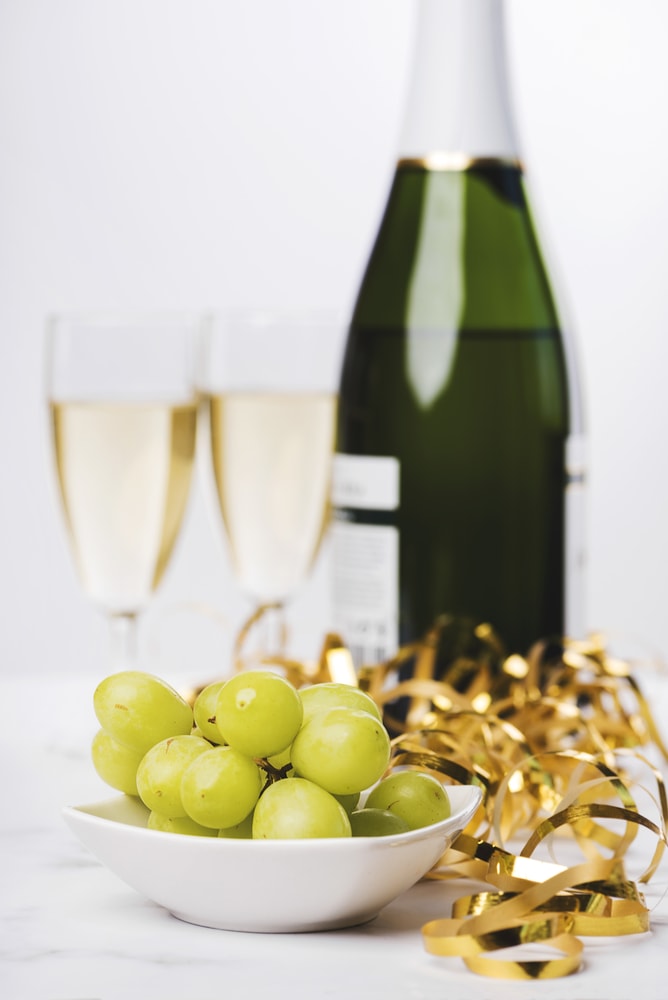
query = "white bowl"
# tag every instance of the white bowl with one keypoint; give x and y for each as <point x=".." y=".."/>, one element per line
<point x="269" y="885"/>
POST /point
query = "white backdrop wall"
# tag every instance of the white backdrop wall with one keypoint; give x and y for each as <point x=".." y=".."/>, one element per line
<point x="187" y="153"/>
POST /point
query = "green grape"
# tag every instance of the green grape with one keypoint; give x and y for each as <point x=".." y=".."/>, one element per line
<point x="140" y="710"/>
<point x="376" y="823"/>
<point x="259" y="713"/>
<point x="204" y="711"/>
<point x="178" y="824"/>
<point x="298" y="809"/>
<point x="343" y="750"/>
<point x="335" y="695"/>
<point x="220" y="787"/>
<point x="240" y="831"/>
<point x="161" y="769"/>
<point x="417" y="797"/>
<point x="349" y="802"/>
<point x="115" y="763"/>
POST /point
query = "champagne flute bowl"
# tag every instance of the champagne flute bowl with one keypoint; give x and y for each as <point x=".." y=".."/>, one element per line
<point x="270" y="381"/>
<point x="123" y="414"/>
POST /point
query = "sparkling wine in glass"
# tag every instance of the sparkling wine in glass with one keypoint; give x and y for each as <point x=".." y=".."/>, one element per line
<point x="123" y="414"/>
<point x="270" y="386"/>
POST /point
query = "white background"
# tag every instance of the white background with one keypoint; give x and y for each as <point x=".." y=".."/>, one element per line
<point x="187" y="153"/>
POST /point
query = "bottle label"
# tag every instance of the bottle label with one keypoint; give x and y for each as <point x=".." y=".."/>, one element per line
<point x="365" y="585"/>
<point x="364" y="482"/>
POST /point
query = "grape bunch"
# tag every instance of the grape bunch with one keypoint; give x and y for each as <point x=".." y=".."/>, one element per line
<point x="257" y="758"/>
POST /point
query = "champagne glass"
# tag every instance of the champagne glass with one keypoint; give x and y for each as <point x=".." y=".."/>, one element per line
<point x="270" y="381"/>
<point x="123" y="413"/>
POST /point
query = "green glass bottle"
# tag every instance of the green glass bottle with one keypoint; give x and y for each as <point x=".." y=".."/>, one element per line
<point x="459" y="471"/>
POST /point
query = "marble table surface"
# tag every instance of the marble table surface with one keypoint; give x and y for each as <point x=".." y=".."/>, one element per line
<point x="71" y="930"/>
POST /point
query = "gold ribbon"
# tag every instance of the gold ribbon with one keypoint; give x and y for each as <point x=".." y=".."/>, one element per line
<point x="553" y="739"/>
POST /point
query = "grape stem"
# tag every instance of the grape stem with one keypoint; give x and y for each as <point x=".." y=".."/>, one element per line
<point x="272" y="773"/>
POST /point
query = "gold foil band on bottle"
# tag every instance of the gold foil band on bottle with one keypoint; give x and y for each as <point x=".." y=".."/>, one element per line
<point x="559" y="742"/>
<point x="457" y="162"/>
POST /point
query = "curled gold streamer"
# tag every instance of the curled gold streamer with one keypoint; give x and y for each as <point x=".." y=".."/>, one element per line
<point x="445" y="937"/>
<point x="548" y="737"/>
<point x="491" y="921"/>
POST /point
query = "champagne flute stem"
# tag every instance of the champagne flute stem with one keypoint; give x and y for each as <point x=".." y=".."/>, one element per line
<point x="273" y="636"/>
<point x="123" y="633"/>
<point x="263" y="635"/>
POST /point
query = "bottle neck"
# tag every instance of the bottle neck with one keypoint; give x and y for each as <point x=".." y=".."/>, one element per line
<point x="458" y="106"/>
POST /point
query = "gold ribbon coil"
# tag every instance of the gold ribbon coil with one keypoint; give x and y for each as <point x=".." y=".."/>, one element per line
<point x="553" y="739"/>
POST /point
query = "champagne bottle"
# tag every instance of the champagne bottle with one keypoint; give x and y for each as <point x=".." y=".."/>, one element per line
<point x="458" y="478"/>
